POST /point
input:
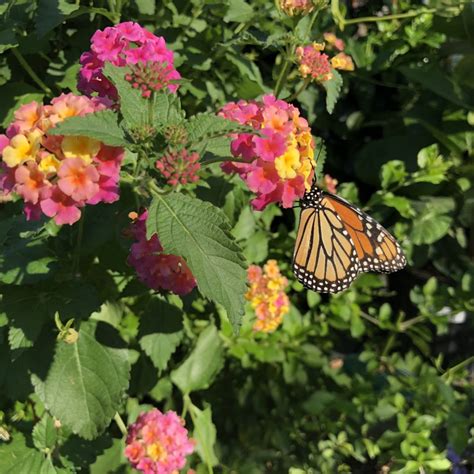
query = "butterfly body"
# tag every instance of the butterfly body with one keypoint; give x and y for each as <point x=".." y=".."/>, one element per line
<point x="336" y="241"/>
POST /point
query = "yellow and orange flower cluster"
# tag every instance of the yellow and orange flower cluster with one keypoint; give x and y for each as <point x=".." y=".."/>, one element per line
<point x="267" y="295"/>
<point x="316" y="64"/>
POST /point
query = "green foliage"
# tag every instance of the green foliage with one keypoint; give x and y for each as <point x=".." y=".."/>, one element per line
<point x="100" y="125"/>
<point x="85" y="395"/>
<point x="193" y="229"/>
<point x="376" y="379"/>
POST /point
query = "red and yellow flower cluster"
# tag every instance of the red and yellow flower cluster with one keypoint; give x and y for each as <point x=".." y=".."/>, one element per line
<point x="317" y="65"/>
<point x="158" y="443"/>
<point x="157" y="270"/>
<point x="278" y="162"/>
<point x="57" y="175"/>
<point x="267" y="295"/>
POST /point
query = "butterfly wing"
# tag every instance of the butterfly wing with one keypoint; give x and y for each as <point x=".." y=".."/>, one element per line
<point x="377" y="250"/>
<point x="325" y="258"/>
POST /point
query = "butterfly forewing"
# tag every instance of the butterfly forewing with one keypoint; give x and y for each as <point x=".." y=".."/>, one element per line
<point x="336" y="241"/>
<point x="324" y="259"/>
<point x="376" y="249"/>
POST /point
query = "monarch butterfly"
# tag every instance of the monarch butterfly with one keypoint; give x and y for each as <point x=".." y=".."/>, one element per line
<point x="336" y="241"/>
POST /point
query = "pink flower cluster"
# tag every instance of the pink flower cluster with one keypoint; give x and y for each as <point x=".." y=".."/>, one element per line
<point x="57" y="175"/>
<point x="330" y="183"/>
<point x="316" y="64"/>
<point x="124" y="44"/>
<point x="179" y="167"/>
<point x="150" y="76"/>
<point x="297" y="7"/>
<point x="157" y="270"/>
<point x="279" y="161"/>
<point x="158" y="443"/>
<point x="267" y="295"/>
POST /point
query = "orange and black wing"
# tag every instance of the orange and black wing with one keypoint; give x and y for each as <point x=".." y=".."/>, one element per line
<point x="376" y="249"/>
<point x="325" y="257"/>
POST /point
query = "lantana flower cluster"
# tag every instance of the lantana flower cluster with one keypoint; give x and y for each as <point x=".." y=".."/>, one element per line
<point x="330" y="183"/>
<point x="267" y="295"/>
<point x="297" y="7"/>
<point x="158" y="443"/>
<point x="127" y="44"/>
<point x="317" y="65"/>
<point x="57" y="175"/>
<point x="179" y="166"/>
<point x="278" y="163"/>
<point x="157" y="270"/>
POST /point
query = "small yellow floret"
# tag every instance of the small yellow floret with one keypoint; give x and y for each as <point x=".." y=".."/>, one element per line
<point x="156" y="452"/>
<point x="22" y="148"/>
<point x="80" y="147"/>
<point x="287" y="164"/>
<point x="342" y="62"/>
<point x="49" y="164"/>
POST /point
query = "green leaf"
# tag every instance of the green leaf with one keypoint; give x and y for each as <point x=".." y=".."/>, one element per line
<point x="102" y="125"/>
<point x="320" y="157"/>
<point x="208" y="125"/>
<point x="433" y="168"/>
<point x="200" y="232"/>
<point x="51" y="13"/>
<point x="7" y="40"/>
<point x="160" y="331"/>
<point x="146" y="7"/>
<point x="438" y="464"/>
<point x="166" y="110"/>
<point x="393" y="173"/>
<point x="333" y="89"/>
<point x="202" y="365"/>
<point x="26" y="261"/>
<point x="256" y="247"/>
<point x="111" y="459"/>
<point x="87" y="380"/>
<point x="17" y="458"/>
<point x="239" y="11"/>
<point x="45" y="434"/>
<point x="205" y="434"/>
<point x="431" y="77"/>
<point x="430" y="227"/>
<point x="70" y="300"/>
<point x="133" y="107"/>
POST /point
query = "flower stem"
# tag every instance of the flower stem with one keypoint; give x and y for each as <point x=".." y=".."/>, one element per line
<point x="120" y="423"/>
<point x="300" y="90"/>
<point x="397" y="16"/>
<point x="20" y="58"/>
<point x="77" y="252"/>
<point x="281" y="81"/>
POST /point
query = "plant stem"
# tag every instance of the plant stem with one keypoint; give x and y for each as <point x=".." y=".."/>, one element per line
<point x="30" y="72"/>
<point x="281" y="81"/>
<point x="397" y="16"/>
<point x="300" y="90"/>
<point x="391" y="338"/>
<point x="120" y="423"/>
<point x="77" y="252"/>
<point x="457" y="367"/>
<point x="221" y="160"/>
<point x="370" y="318"/>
